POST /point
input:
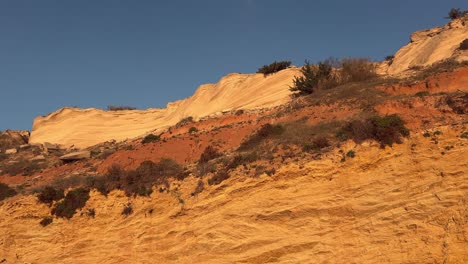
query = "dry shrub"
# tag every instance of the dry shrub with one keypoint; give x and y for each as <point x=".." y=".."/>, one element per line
<point x="200" y="187"/>
<point x="325" y="74"/>
<point x="208" y="154"/>
<point x="6" y="191"/>
<point x="141" y="180"/>
<point x="74" y="200"/>
<point x="46" y="221"/>
<point x="151" y="138"/>
<point x="23" y="167"/>
<point x="185" y="121"/>
<point x="119" y="107"/>
<point x="49" y="194"/>
<point x="386" y="130"/>
<point x="219" y="177"/>
<point x="127" y="210"/>
<point x="242" y="159"/>
<point x="464" y="45"/>
<point x="265" y="132"/>
<point x="357" y="70"/>
<point x="274" y="67"/>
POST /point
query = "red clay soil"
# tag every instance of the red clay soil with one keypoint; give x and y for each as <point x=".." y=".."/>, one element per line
<point x="228" y="131"/>
<point x="421" y="113"/>
<point x="224" y="133"/>
<point x="182" y="148"/>
<point x="443" y="82"/>
<point x="46" y="176"/>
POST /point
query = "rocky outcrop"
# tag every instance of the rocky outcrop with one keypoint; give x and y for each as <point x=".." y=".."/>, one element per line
<point x="11" y="151"/>
<point x="13" y="138"/>
<point x="87" y="127"/>
<point x="430" y="46"/>
<point x="79" y="155"/>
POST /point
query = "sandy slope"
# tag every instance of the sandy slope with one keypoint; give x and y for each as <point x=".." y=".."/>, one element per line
<point x="402" y="205"/>
<point x="86" y="127"/>
<point x="432" y="45"/>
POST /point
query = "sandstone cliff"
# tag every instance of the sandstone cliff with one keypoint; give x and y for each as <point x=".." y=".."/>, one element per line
<point x="405" y="204"/>
<point x="430" y="46"/>
<point x="86" y="127"/>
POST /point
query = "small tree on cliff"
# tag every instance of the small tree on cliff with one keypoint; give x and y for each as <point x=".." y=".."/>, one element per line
<point x="311" y="78"/>
<point x="455" y="13"/>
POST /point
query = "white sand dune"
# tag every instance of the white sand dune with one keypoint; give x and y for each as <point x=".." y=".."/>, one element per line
<point x="430" y="46"/>
<point x="86" y="127"/>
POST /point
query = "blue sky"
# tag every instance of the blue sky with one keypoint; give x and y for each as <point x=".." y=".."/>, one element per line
<point x="92" y="53"/>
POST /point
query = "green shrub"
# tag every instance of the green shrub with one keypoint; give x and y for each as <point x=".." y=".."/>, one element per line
<point x="455" y="13"/>
<point x="6" y="191"/>
<point x="74" y="200"/>
<point x="323" y="76"/>
<point x="351" y="154"/>
<point x="426" y="134"/>
<point x="49" y="194"/>
<point x="46" y="221"/>
<point x="151" y="138"/>
<point x="274" y="67"/>
<point x="312" y="77"/>
<point x="386" y="130"/>
<point x="193" y="130"/>
<point x="119" y="108"/>
<point x="464" y="135"/>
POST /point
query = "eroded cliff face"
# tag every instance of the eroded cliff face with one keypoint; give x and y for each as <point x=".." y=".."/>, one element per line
<point x="406" y="204"/>
<point x="86" y="127"/>
<point x="430" y="46"/>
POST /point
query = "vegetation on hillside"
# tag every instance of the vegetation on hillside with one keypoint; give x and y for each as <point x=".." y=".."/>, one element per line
<point x="49" y="194"/>
<point x="74" y="200"/>
<point x="119" y="107"/>
<point x="6" y="191"/>
<point x="464" y="45"/>
<point x="455" y="13"/>
<point x="141" y="180"/>
<point x="332" y="73"/>
<point x="386" y="130"/>
<point x="151" y="138"/>
<point x="274" y="67"/>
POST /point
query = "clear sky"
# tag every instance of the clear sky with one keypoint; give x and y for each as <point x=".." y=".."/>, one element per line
<point x="94" y="53"/>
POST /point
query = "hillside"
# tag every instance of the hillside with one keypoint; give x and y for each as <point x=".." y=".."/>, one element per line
<point x="366" y="170"/>
<point x="405" y="204"/>
<point x="87" y="127"/>
<point x="429" y="46"/>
